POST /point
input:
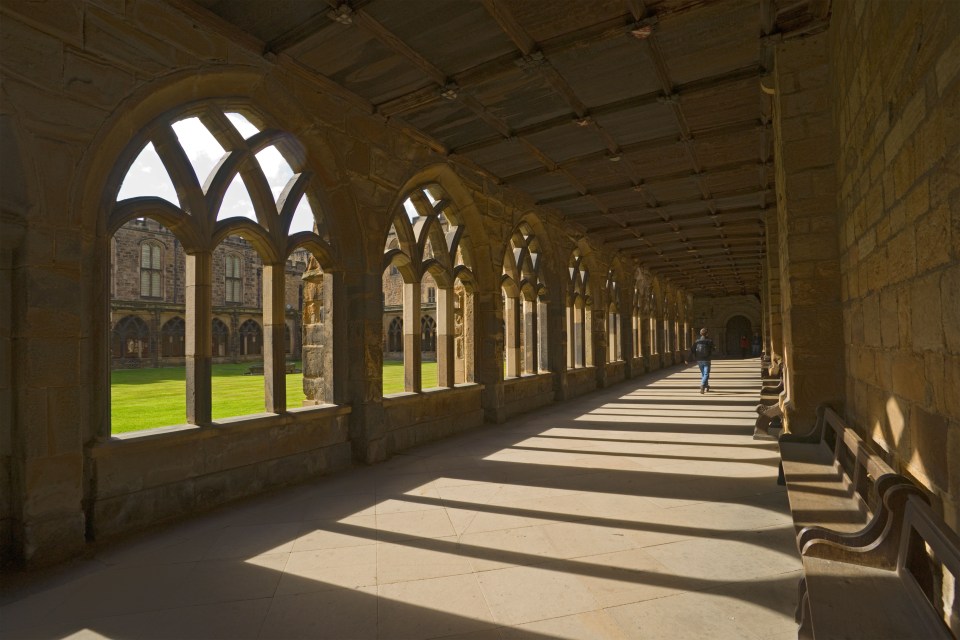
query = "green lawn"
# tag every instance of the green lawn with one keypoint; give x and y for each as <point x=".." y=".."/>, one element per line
<point x="393" y="375"/>
<point x="147" y="398"/>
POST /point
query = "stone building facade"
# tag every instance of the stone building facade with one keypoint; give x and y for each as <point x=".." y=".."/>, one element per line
<point x="147" y="305"/>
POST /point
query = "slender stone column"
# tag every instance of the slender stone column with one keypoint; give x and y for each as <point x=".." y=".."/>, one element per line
<point x="529" y="336"/>
<point x="511" y="317"/>
<point x="274" y="365"/>
<point x="199" y="336"/>
<point x="446" y="332"/>
<point x="543" y="336"/>
<point x="411" y="337"/>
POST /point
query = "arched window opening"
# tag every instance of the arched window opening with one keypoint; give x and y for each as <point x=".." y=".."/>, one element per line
<point x="579" y="309"/>
<point x="395" y="336"/>
<point x="614" y="353"/>
<point x="221" y="339"/>
<point x="172" y="338"/>
<point x="424" y="254"/>
<point x="249" y="289"/>
<point x="131" y="339"/>
<point x="428" y="335"/>
<point x="251" y="339"/>
<point x="525" y="304"/>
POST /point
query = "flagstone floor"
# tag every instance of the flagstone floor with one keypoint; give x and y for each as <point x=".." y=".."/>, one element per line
<point x="645" y="510"/>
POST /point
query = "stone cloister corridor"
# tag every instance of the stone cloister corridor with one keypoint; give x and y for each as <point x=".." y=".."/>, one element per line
<point x="376" y="318"/>
<point x="645" y="510"/>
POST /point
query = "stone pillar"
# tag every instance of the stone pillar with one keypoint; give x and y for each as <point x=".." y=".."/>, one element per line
<point x="357" y="306"/>
<point x="315" y="350"/>
<point x="808" y="231"/>
<point x="446" y="332"/>
<point x="490" y="345"/>
<point x="599" y="338"/>
<point x="12" y="226"/>
<point x="774" y="336"/>
<point x="198" y="341"/>
<point x="274" y="323"/>
<point x="411" y="337"/>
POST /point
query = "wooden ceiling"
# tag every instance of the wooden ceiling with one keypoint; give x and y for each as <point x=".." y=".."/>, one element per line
<point x="643" y="123"/>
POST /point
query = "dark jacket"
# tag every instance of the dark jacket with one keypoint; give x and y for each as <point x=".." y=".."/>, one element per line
<point x="707" y="349"/>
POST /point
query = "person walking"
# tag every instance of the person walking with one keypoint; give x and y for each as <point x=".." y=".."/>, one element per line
<point x="744" y="346"/>
<point x="756" y="345"/>
<point x="702" y="351"/>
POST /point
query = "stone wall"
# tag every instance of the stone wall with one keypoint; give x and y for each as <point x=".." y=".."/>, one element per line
<point x="718" y="313"/>
<point x="897" y="111"/>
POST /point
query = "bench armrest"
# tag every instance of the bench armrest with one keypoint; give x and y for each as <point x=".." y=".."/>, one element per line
<point x="877" y="544"/>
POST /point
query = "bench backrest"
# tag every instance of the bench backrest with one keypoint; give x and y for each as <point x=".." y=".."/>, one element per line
<point x="869" y="475"/>
<point x="929" y="565"/>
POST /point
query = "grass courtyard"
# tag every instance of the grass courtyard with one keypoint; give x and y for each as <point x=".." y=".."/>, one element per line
<point x="147" y="398"/>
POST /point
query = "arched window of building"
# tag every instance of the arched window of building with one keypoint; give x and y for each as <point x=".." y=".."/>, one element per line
<point x="251" y="338"/>
<point x="240" y="196"/>
<point x="233" y="279"/>
<point x="427" y="244"/>
<point x="151" y="270"/>
<point x="131" y="338"/>
<point x="395" y="336"/>
<point x="172" y="338"/>
<point x="428" y="334"/>
<point x="221" y="338"/>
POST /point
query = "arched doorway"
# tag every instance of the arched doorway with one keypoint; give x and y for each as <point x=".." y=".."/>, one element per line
<point x="737" y="326"/>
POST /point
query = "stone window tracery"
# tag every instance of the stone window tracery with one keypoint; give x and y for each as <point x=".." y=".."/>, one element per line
<point x="427" y="240"/>
<point x="131" y="338"/>
<point x="211" y="171"/>
<point x="525" y="304"/>
<point x="172" y="338"/>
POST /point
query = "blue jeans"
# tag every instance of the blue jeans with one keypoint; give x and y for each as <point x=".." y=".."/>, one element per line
<point x="704" y="372"/>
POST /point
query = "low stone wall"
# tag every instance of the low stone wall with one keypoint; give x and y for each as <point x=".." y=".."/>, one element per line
<point x="521" y="395"/>
<point x="580" y="381"/>
<point x="616" y="372"/>
<point x="415" y="418"/>
<point x="144" y="478"/>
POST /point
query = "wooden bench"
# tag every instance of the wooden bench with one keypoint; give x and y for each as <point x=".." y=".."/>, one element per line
<point x="835" y="485"/>
<point x="915" y="598"/>
<point x="257" y="369"/>
<point x="852" y="514"/>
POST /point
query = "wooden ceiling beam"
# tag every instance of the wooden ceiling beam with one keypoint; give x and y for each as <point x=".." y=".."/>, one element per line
<point x="649" y="181"/>
<point x="510" y="26"/>
<point x="613" y="108"/>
